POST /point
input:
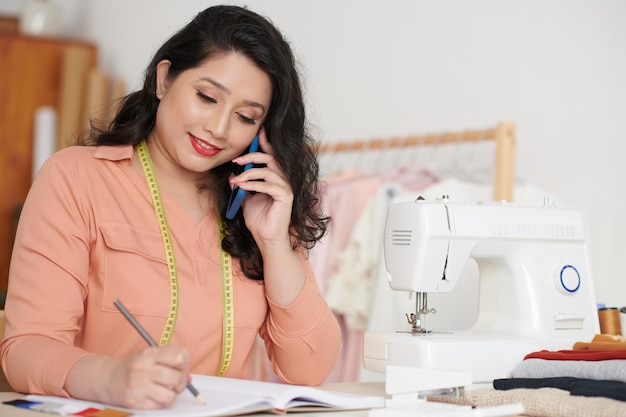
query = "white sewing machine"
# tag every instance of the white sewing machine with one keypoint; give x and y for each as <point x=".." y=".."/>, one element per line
<point x="535" y="290"/>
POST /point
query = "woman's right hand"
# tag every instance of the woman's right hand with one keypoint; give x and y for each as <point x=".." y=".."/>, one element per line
<point x="150" y="379"/>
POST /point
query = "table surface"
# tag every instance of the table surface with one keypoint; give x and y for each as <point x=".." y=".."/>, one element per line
<point x="366" y="388"/>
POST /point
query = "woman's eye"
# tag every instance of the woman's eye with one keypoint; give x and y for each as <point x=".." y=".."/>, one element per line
<point x="247" y="119"/>
<point x="206" y="98"/>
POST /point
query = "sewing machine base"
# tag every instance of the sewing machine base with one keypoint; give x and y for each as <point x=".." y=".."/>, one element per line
<point x="407" y="384"/>
<point x="485" y="356"/>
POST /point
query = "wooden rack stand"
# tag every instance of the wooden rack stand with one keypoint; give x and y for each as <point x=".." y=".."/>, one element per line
<point x="503" y="134"/>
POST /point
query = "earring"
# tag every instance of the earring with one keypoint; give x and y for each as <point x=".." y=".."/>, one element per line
<point x="159" y="92"/>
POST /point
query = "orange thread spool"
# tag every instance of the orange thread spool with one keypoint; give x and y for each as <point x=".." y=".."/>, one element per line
<point x="610" y="322"/>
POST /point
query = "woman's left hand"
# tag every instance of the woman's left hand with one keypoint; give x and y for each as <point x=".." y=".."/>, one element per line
<point x="267" y="212"/>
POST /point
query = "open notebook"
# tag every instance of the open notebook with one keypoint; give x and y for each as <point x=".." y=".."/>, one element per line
<point x="225" y="397"/>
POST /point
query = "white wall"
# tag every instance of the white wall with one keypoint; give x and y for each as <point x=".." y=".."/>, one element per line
<point x="396" y="67"/>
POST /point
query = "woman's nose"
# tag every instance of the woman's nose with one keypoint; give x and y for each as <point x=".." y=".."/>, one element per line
<point x="217" y="123"/>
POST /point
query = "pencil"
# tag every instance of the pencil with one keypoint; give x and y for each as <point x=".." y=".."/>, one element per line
<point x="151" y="342"/>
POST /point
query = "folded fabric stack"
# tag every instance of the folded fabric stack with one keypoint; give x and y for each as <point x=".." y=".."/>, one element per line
<point x="587" y="381"/>
<point x="597" y="368"/>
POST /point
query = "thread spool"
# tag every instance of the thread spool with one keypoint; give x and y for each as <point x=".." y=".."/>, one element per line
<point x="610" y="322"/>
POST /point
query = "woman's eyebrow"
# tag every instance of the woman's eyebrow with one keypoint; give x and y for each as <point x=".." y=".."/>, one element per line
<point x="216" y="84"/>
<point x="225" y="89"/>
<point x="255" y="104"/>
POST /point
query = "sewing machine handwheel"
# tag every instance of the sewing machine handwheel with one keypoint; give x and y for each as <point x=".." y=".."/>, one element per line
<point x="567" y="279"/>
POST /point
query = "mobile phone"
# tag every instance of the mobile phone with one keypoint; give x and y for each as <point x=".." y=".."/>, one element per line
<point x="237" y="194"/>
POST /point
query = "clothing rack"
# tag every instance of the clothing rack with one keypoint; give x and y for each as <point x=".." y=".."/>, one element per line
<point x="503" y="134"/>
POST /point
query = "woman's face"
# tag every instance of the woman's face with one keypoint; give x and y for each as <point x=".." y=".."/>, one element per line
<point x="209" y="114"/>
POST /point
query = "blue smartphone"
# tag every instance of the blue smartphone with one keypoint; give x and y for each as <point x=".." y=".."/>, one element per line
<point x="237" y="194"/>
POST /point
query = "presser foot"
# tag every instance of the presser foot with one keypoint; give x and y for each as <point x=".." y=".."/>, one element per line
<point x="421" y="331"/>
<point x="416" y="324"/>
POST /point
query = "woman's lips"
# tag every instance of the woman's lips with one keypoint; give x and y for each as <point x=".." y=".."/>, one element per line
<point x="202" y="147"/>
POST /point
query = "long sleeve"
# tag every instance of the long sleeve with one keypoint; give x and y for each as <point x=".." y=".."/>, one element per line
<point x="303" y="340"/>
<point x="47" y="286"/>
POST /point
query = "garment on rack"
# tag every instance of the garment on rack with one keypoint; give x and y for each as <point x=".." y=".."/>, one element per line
<point x="343" y="196"/>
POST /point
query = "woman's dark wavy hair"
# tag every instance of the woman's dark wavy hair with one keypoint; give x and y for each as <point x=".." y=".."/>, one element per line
<point x="223" y="29"/>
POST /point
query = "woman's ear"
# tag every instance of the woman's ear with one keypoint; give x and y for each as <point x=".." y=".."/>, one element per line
<point x="162" y="71"/>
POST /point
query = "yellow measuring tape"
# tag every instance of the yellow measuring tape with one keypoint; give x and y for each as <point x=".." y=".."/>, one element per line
<point x="228" y="334"/>
<point x="226" y="263"/>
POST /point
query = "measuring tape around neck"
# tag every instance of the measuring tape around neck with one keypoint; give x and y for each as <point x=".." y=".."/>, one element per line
<point x="226" y="265"/>
<point x="228" y="324"/>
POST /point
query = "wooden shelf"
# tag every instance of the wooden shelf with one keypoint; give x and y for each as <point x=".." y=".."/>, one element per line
<point x="35" y="72"/>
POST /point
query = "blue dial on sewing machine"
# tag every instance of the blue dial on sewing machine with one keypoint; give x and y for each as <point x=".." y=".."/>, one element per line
<point x="568" y="279"/>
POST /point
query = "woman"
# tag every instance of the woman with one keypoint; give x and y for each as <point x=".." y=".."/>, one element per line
<point x="140" y="218"/>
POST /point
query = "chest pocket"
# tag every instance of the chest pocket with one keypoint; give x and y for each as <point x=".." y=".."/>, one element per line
<point x="134" y="270"/>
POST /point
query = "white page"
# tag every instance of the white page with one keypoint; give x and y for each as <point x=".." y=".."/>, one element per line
<point x="217" y="403"/>
<point x="226" y="396"/>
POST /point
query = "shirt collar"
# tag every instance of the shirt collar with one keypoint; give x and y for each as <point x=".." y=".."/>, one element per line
<point x="114" y="153"/>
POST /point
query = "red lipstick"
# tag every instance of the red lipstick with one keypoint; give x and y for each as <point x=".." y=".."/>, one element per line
<point x="202" y="147"/>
